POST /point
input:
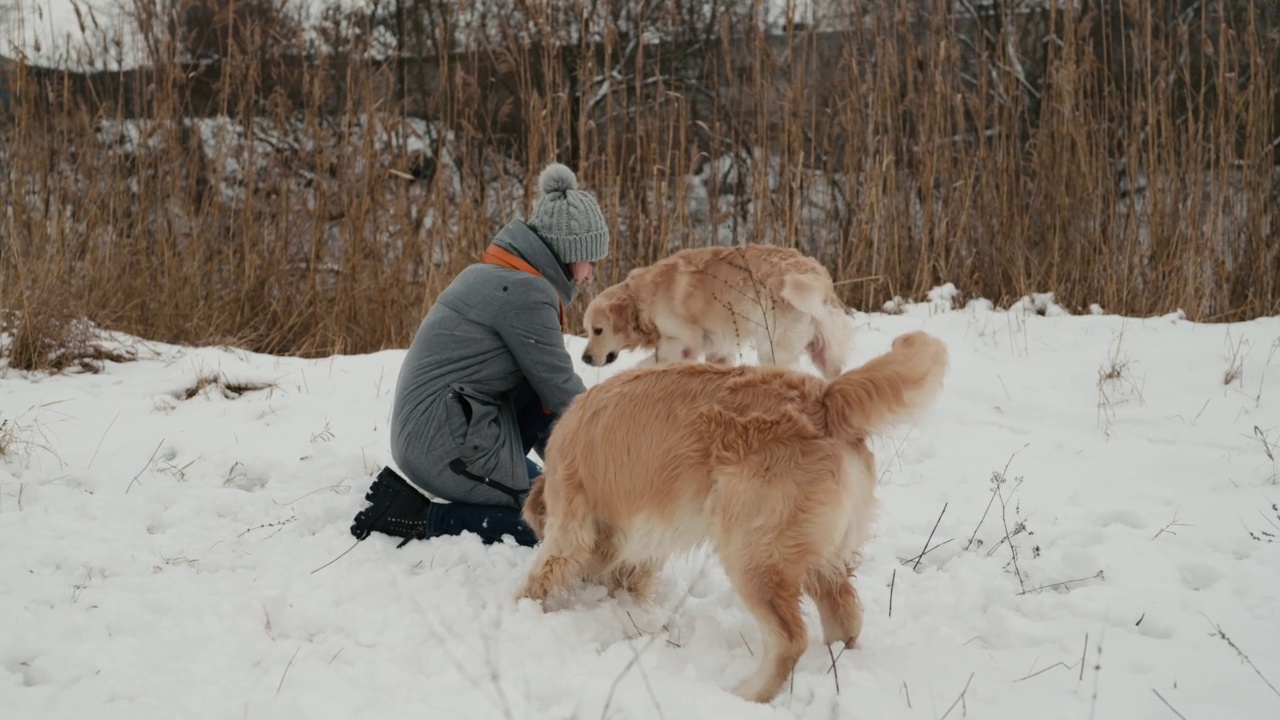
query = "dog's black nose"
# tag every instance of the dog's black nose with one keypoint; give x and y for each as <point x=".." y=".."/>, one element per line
<point x="586" y="358"/>
<point x="610" y="358"/>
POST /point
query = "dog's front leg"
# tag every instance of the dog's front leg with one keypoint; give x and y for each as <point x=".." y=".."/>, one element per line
<point x="550" y="572"/>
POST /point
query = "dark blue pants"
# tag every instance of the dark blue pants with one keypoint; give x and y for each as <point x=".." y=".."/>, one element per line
<point x="492" y="522"/>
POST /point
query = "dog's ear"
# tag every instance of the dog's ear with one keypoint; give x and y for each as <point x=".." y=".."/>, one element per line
<point x="638" y="324"/>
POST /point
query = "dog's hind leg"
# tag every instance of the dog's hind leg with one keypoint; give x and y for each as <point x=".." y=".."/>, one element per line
<point x="771" y="592"/>
<point x="636" y="578"/>
<point x="837" y="601"/>
<point x="768" y="570"/>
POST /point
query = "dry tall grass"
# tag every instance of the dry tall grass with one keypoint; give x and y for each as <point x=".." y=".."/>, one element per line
<point x="291" y="193"/>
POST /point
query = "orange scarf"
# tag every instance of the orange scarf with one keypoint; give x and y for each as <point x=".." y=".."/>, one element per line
<point x="495" y="255"/>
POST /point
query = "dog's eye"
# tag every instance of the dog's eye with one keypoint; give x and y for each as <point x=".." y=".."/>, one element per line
<point x="596" y="331"/>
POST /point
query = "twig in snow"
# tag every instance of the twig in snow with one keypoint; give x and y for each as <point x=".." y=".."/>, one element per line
<point x="648" y="686"/>
<point x="980" y="520"/>
<point x="1261" y="535"/>
<point x="634" y="625"/>
<point x="635" y="658"/>
<point x="1197" y="415"/>
<point x="1275" y="510"/>
<point x="1097" y="670"/>
<point x="1003" y="473"/>
<point x="1004" y="520"/>
<point x="891" y="582"/>
<point x="1172" y="523"/>
<point x="104" y="437"/>
<point x="335" y="488"/>
<point x="278" y="523"/>
<point x="1266" y="443"/>
<point x="1268" y="447"/>
<point x="1044" y="670"/>
<point x="897" y="449"/>
<point x="446" y="647"/>
<point x="344" y="552"/>
<point x="907" y="690"/>
<point x="930" y="538"/>
<point x="959" y="699"/>
<point x="1222" y="634"/>
<point x="1083" y="651"/>
<point x="144" y="467"/>
<point x="835" y="659"/>
<point x="926" y="552"/>
<point x="286" y="669"/>
<point x="1096" y="576"/>
<point x="1166" y="703"/>
<point x="835" y="672"/>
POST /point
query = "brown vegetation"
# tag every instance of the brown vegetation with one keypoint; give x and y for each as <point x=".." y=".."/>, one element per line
<point x="287" y="192"/>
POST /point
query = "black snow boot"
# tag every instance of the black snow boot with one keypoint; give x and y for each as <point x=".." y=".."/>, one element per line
<point x="395" y="508"/>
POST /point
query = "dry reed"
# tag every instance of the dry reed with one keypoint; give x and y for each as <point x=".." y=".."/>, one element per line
<point x="309" y="193"/>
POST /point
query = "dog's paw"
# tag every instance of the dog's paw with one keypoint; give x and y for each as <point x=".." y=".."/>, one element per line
<point x="531" y="589"/>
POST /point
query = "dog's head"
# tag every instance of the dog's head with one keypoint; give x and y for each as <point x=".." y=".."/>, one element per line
<point x="611" y="323"/>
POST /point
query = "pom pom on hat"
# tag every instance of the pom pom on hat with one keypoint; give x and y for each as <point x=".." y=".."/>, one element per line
<point x="568" y="219"/>
<point x="557" y="178"/>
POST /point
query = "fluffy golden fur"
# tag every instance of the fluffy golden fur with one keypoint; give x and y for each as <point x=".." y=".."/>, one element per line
<point x="710" y="301"/>
<point x="769" y="465"/>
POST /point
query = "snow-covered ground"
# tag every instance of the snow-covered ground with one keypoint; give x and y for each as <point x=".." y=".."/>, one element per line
<point x="174" y="548"/>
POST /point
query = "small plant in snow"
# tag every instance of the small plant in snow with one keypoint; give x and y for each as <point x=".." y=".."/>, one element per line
<point x="229" y="389"/>
<point x="7" y="437"/>
<point x="1270" y="448"/>
<point x="943" y="297"/>
<point x="1042" y="304"/>
<point x="1116" y="384"/>
<point x="1263" y="535"/>
<point x="762" y="296"/>
<point x="325" y="435"/>
<point x="999" y="482"/>
<point x="44" y="342"/>
<point x="896" y="306"/>
<point x="18" y="441"/>
<point x="1235" y="360"/>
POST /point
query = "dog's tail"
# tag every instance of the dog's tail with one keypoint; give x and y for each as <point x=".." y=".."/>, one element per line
<point x="814" y="296"/>
<point x="891" y="389"/>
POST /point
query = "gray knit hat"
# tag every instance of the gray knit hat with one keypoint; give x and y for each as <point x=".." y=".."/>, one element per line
<point x="568" y="219"/>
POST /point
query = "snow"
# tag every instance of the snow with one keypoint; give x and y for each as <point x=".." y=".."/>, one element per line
<point x="173" y="556"/>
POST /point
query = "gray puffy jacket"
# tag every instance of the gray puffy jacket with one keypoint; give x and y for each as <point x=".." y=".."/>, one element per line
<point x="491" y="328"/>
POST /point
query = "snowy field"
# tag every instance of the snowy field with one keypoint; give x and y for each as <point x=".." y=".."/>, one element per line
<point x="171" y="525"/>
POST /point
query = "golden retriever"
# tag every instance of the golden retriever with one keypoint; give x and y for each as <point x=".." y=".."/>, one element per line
<point x="769" y="465"/>
<point x="709" y="301"/>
